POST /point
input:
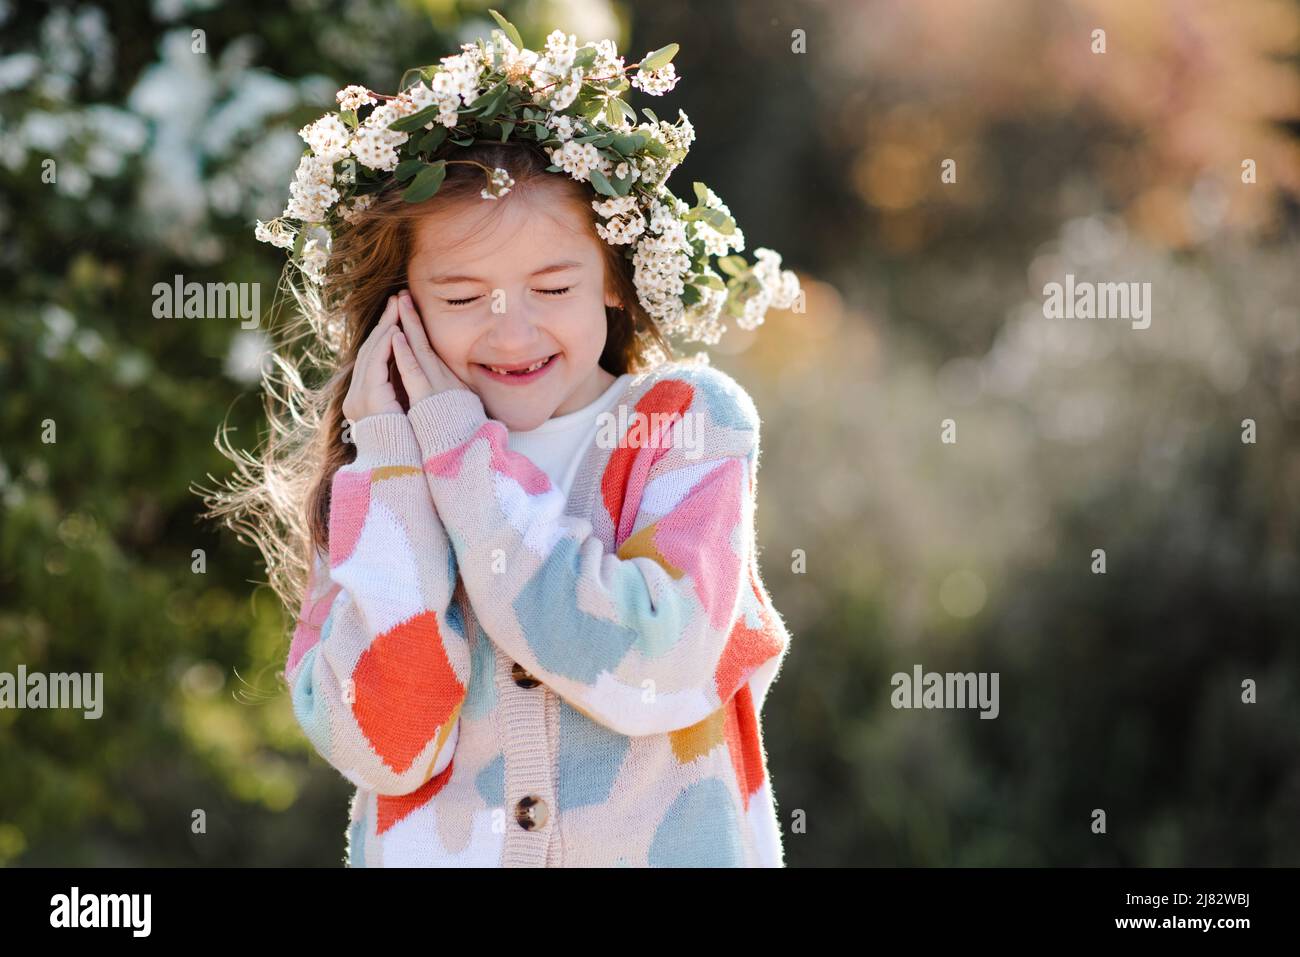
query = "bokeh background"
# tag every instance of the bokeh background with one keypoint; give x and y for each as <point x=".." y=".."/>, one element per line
<point x="1119" y="691"/>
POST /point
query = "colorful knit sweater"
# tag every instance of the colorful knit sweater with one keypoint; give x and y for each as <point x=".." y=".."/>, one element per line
<point x="513" y="680"/>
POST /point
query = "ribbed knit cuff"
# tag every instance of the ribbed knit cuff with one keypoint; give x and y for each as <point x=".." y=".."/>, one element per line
<point x="385" y="439"/>
<point x="447" y="419"/>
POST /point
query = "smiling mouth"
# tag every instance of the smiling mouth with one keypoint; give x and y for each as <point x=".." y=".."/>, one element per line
<point x="521" y="371"/>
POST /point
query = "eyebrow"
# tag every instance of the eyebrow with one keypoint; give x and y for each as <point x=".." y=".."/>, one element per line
<point x="545" y="270"/>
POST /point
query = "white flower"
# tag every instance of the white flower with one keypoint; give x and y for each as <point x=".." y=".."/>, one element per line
<point x="653" y="354"/>
<point x="576" y="159"/>
<point x="655" y="82"/>
<point x="353" y="97"/>
<point x="782" y="285"/>
<point x="564" y="94"/>
<point x="461" y="75"/>
<point x="352" y="211"/>
<point x="607" y="63"/>
<point x="663" y="216"/>
<point x="702" y="317"/>
<point x="311" y="194"/>
<point x="515" y="63"/>
<point x="626" y="221"/>
<point x="561" y="51"/>
<point x="374" y="144"/>
<point x="615" y="206"/>
<point x="658" y="275"/>
<point x="561" y="126"/>
<point x="315" y="257"/>
<point x="327" y="137"/>
<point x="415" y="98"/>
<point x="275" y="232"/>
<point x="685" y="130"/>
<point x="499" y="183"/>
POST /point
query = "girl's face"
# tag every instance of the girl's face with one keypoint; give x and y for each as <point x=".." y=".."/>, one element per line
<point x="530" y="287"/>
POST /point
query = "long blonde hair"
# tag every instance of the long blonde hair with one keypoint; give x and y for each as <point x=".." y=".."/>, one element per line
<point x="278" y="496"/>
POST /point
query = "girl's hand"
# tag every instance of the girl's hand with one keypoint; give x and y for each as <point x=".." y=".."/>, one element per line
<point x="423" y="371"/>
<point x="371" y="391"/>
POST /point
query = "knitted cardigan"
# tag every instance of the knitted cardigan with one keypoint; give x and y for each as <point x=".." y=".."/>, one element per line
<point x="510" y="679"/>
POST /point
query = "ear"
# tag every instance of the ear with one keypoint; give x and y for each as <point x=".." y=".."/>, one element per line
<point x="612" y="300"/>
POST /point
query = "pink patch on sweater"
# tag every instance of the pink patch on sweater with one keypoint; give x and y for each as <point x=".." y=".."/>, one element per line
<point x="504" y="460"/>
<point x="311" y="619"/>
<point x="349" y="503"/>
<point x="696" y="537"/>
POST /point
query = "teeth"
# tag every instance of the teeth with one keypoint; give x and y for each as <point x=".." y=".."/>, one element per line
<point x="532" y="368"/>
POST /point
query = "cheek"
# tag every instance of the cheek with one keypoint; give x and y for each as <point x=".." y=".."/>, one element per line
<point x="586" y="328"/>
<point x="450" y="342"/>
<point x="455" y="352"/>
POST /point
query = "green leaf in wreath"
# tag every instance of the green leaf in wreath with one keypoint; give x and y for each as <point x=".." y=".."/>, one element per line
<point x="489" y="95"/>
<point x="660" y="58"/>
<point x="426" y="182"/>
<point x="409" y="124"/>
<point x="508" y="29"/>
<point x="407" y="168"/>
<point x="733" y="265"/>
<point x="622" y="184"/>
<point x="602" y="185"/>
<point x="432" y="139"/>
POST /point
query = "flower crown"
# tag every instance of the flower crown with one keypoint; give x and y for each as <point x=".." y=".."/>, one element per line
<point x="566" y="99"/>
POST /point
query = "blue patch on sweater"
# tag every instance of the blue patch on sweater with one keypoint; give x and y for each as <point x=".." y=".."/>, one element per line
<point x="481" y="695"/>
<point x="700" y="829"/>
<point x="491" y="782"/>
<point x="357" y="843"/>
<point x="590" y="758"/>
<point x="566" y="640"/>
<point x="728" y="404"/>
<point x="311" y="713"/>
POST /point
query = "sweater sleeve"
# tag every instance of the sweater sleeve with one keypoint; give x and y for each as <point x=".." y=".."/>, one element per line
<point x="379" y="662"/>
<point x="656" y="637"/>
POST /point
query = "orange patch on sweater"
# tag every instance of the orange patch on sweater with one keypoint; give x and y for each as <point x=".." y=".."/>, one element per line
<point x="405" y="690"/>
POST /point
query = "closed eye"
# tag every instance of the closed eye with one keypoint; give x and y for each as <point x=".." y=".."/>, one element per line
<point x="555" y="292"/>
<point x="460" y="302"/>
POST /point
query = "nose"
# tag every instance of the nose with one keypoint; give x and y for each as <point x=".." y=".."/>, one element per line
<point x="513" y="331"/>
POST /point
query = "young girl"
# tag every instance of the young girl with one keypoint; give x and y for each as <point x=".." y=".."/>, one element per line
<point x="533" y="632"/>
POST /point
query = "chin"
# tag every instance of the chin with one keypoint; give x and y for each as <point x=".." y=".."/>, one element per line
<point x="516" y="422"/>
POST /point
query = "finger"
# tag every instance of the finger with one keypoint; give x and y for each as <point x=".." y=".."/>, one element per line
<point x="377" y="361"/>
<point x="430" y="363"/>
<point x="412" y="324"/>
<point x="368" y="344"/>
<point x="406" y="361"/>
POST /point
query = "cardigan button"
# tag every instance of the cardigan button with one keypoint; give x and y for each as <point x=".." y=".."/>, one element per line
<point x="522" y="677"/>
<point x="531" y="813"/>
